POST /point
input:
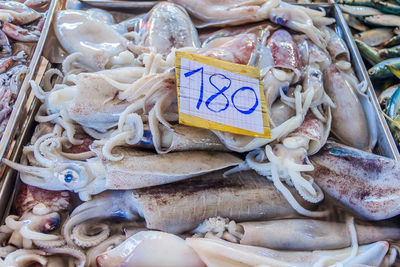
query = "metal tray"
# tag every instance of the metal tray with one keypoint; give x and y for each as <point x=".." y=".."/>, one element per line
<point x="385" y="145"/>
<point x="19" y="109"/>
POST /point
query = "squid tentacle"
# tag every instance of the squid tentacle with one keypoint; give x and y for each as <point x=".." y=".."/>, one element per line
<point x="83" y="239"/>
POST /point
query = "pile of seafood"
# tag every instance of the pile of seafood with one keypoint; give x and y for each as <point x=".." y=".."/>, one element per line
<point x="377" y="35"/>
<point x="21" y="24"/>
<point x="110" y="178"/>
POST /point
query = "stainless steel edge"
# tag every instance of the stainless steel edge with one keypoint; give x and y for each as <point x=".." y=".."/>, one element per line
<point x="112" y="4"/>
<point x="386" y="144"/>
<point x="7" y="185"/>
<point x="18" y="113"/>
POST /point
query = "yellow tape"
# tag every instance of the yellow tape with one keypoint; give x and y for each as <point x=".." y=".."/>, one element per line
<point x="244" y="70"/>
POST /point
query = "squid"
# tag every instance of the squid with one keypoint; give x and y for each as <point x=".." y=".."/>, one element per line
<point x="287" y="161"/>
<point x="336" y="46"/>
<point x="349" y="122"/>
<point x="218" y="252"/>
<point x="362" y="182"/>
<point x="137" y="169"/>
<point x="165" y="27"/>
<point x="311" y="54"/>
<point x="169" y="250"/>
<point x="286" y="67"/>
<point x="95" y="41"/>
<point x="180" y="207"/>
<point x="223" y="13"/>
<point x="33" y="228"/>
<point x="30" y="196"/>
<point x="151" y="248"/>
<point x="302" y="20"/>
<point x="17" y="13"/>
<point x="294" y="234"/>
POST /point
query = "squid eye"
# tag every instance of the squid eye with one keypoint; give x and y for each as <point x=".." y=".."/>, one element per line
<point x="68" y="175"/>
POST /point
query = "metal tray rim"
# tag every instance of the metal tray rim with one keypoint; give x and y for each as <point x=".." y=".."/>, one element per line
<point x="10" y="175"/>
<point x="15" y="116"/>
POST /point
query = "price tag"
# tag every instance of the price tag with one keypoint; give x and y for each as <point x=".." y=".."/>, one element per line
<point x="218" y="95"/>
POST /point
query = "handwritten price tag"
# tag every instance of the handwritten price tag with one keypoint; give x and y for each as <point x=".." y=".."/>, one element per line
<point x="219" y="95"/>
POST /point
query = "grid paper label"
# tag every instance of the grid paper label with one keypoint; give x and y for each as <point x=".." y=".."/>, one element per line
<point x="219" y="95"/>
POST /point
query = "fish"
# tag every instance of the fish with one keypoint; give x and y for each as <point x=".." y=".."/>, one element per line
<point x="360" y="10"/>
<point x="381" y="71"/>
<point x="375" y="37"/>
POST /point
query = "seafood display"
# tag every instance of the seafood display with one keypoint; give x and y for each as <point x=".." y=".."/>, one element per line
<point x="110" y="178"/>
<point x="375" y="26"/>
<point x="21" y="26"/>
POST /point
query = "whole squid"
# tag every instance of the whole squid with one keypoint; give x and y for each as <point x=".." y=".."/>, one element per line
<point x="149" y="248"/>
<point x="307" y="234"/>
<point x="137" y="169"/>
<point x="364" y="183"/>
<point x="349" y="122"/>
<point x="179" y="207"/>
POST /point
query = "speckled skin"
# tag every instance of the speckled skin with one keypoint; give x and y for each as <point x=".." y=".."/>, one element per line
<point x="365" y="183"/>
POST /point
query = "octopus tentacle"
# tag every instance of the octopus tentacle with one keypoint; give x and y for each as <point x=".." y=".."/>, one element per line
<point x="88" y="235"/>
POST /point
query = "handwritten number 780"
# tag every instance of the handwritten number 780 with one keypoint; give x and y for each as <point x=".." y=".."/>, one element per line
<point x="220" y="92"/>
